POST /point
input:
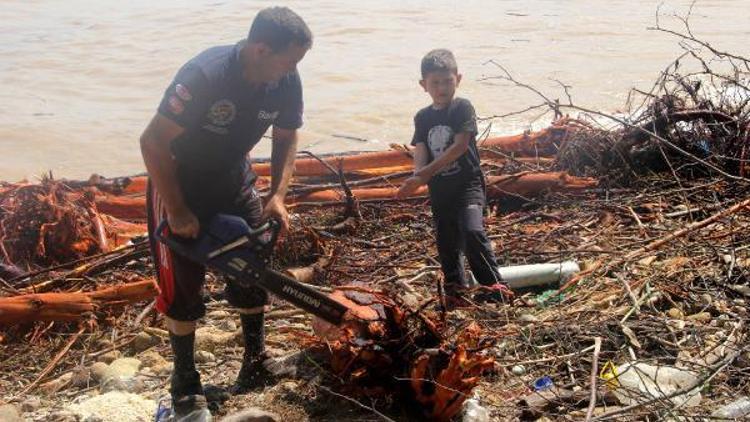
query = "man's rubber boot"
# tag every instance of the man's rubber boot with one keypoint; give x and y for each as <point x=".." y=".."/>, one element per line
<point x="262" y="371"/>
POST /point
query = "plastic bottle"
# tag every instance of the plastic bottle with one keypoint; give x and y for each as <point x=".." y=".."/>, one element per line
<point x="639" y="382"/>
<point x="525" y="276"/>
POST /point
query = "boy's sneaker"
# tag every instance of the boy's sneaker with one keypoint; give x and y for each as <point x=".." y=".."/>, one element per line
<point x="191" y="408"/>
<point x="498" y="292"/>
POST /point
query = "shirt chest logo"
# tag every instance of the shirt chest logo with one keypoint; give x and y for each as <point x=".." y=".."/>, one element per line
<point x="267" y="115"/>
<point x="222" y="113"/>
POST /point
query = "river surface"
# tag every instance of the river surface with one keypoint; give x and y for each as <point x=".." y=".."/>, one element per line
<point x="80" y="79"/>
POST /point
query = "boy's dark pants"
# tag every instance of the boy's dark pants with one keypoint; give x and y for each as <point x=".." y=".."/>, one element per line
<point x="458" y="213"/>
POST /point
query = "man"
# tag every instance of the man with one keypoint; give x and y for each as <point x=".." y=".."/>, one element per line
<point x="195" y="149"/>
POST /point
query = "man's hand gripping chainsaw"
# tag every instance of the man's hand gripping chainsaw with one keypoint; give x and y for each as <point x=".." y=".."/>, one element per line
<point x="228" y="245"/>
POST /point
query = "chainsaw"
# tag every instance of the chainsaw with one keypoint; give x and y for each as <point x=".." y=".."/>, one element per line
<point x="229" y="245"/>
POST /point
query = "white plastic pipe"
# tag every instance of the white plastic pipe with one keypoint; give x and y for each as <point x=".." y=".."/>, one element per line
<point x="521" y="276"/>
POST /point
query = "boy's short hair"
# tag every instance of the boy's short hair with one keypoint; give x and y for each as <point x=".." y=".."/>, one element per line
<point x="279" y="27"/>
<point x="439" y="60"/>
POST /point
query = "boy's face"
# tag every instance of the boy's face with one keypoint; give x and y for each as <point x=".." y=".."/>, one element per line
<point x="441" y="86"/>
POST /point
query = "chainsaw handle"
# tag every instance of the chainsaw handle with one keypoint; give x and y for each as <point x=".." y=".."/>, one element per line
<point x="272" y="226"/>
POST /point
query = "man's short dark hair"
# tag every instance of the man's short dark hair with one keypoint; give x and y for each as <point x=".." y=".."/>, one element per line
<point x="279" y="27"/>
<point x="439" y="60"/>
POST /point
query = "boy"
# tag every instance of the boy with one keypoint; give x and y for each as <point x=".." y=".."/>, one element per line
<point x="447" y="160"/>
<point x="217" y="108"/>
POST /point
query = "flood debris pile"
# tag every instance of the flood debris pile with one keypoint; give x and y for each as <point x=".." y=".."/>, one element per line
<point x="654" y="208"/>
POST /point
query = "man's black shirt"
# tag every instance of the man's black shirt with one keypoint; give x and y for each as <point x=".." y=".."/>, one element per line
<point x="223" y="117"/>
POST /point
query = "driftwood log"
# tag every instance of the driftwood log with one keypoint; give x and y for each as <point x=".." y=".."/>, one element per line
<point x="71" y="306"/>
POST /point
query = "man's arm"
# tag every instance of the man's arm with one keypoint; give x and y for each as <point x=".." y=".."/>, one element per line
<point x="157" y="155"/>
<point x="283" y="153"/>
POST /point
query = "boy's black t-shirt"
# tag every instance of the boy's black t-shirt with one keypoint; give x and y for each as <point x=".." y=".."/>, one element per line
<point x="436" y="128"/>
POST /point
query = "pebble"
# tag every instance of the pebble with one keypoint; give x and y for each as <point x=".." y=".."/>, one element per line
<point x="677" y="324"/>
<point x="144" y="341"/>
<point x="528" y="318"/>
<point x="288" y="386"/>
<point x="31" y="404"/>
<point x="228" y="325"/>
<point x="410" y="300"/>
<point x="252" y="414"/>
<point x="210" y="338"/>
<point x="122" y="368"/>
<point x="518" y="370"/>
<point x="97" y="370"/>
<point x="202" y="356"/>
<point x="675" y="313"/>
<point x="152" y="359"/>
<point x="62" y="416"/>
<point x="739" y="302"/>
<point x="706" y="299"/>
<point x="218" y="314"/>
<point x="55" y="385"/>
<point x="700" y="317"/>
<point x="126" y="385"/>
<point x="110" y="356"/>
<point x="10" y="413"/>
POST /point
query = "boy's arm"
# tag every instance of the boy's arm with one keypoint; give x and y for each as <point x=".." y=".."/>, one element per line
<point x="421" y="157"/>
<point x="453" y="153"/>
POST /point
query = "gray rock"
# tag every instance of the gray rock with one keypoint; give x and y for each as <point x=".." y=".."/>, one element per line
<point x="252" y="414"/>
<point x="10" y="413"/>
<point x="144" y="341"/>
<point x="62" y="416"/>
<point x="110" y="356"/>
<point x="528" y="318"/>
<point x="228" y="325"/>
<point x="151" y="359"/>
<point x="31" y="404"/>
<point x="56" y="384"/>
<point x="518" y="370"/>
<point x="202" y="356"/>
<point x="98" y="369"/>
<point x="218" y="314"/>
<point x="125" y="385"/>
<point x="123" y="367"/>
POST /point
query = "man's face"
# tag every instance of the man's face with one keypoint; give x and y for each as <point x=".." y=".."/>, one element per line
<point x="441" y="86"/>
<point x="273" y="66"/>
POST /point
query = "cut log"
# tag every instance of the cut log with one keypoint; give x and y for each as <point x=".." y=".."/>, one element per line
<point x="132" y="208"/>
<point x="530" y="184"/>
<point x="525" y="184"/>
<point x="543" y="143"/>
<point x="71" y="306"/>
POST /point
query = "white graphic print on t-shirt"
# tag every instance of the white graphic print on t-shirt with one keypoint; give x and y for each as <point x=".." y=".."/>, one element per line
<point x="439" y="139"/>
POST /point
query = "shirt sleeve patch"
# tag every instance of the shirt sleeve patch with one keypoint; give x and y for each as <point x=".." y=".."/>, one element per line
<point x="182" y="92"/>
<point x="175" y="105"/>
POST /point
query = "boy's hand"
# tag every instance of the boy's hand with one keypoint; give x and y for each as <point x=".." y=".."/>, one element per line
<point x="410" y="186"/>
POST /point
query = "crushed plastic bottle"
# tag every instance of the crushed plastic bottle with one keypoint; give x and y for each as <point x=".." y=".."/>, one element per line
<point x="474" y="412"/>
<point x="736" y="410"/>
<point x="639" y="382"/>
